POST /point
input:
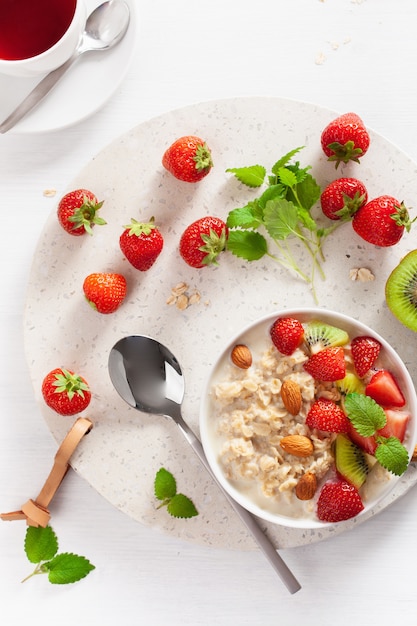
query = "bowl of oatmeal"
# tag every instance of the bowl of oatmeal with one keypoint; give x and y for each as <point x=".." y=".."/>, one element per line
<point x="308" y="417"/>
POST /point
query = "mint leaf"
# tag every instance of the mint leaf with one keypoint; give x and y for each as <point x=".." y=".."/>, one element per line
<point x="41" y="544"/>
<point x="181" y="506"/>
<point x="178" y="505"/>
<point x="280" y="218"/>
<point x="252" y="176"/>
<point x="287" y="177"/>
<point x="165" y="485"/>
<point x="249" y="216"/>
<point x="308" y="192"/>
<point x="392" y="455"/>
<point x="247" y="244"/>
<point x="273" y="192"/>
<point x="67" y="568"/>
<point x="284" y="160"/>
<point x="365" y="414"/>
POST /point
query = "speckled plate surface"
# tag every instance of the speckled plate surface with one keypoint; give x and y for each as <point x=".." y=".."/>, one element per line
<point x="123" y="452"/>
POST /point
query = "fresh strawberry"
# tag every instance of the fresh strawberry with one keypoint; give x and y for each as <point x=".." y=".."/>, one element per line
<point x="365" y="351"/>
<point x="287" y="334"/>
<point x="338" y="501"/>
<point x="327" y="365"/>
<point x="342" y="198"/>
<point x="384" y="389"/>
<point x="368" y="444"/>
<point x="326" y="415"/>
<point x="77" y="212"/>
<point x="396" y="425"/>
<point x="345" y="139"/>
<point x="203" y="241"/>
<point x="105" y="291"/>
<point x="65" y="392"/>
<point x="188" y="159"/>
<point x="382" y="221"/>
<point x="141" y="243"/>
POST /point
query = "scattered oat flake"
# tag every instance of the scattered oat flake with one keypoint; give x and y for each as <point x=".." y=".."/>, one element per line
<point x="362" y="274"/>
<point x="49" y="193"/>
<point x="194" y="298"/>
<point x="181" y="298"/>
<point x="182" y="302"/>
<point x="179" y="289"/>
<point x="320" y="58"/>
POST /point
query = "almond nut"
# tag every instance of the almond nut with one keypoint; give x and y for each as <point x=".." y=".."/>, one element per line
<point x="298" y="445"/>
<point x="241" y="356"/>
<point x="291" y="396"/>
<point x="414" y="456"/>
<point x="306" y="486"/>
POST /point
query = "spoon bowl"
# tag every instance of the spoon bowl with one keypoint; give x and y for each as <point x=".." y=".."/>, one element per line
<point x="149" y="378"/>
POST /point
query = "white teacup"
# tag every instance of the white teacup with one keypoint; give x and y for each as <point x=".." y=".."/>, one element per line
<point x="53" y="56"/>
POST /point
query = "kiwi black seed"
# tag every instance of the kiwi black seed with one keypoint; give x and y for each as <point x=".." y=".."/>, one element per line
<point x="319" y="335"/>
<point x="401" y="291"/>
<point x="350" y="461"/>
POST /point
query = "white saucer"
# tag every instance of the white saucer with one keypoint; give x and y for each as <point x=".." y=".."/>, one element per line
<point x="86" y="87"/>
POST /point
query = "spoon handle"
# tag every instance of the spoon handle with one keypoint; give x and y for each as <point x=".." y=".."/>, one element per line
<point x="247" y="518"/>
<point x="36" y="95"/>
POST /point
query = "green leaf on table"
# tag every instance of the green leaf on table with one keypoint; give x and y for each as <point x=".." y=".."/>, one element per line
<point x="181" y="506"/>
<point x="67" y="568"/>
<point x="178" y="505"/>
<point x="41" y="544"/>
<point x="252" y="176"/>
<point x="248" y="216"/>
<point x="247" y="244"/>
<point x="165" y="485"/>
<point x="280" y="218"/>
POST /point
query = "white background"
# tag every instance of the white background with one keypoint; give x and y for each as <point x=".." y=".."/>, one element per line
<point x="340" y="54"/>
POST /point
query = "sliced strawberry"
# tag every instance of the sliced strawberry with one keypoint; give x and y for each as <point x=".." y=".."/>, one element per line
<point x="384" y="389"/>
<point x="368" y="444"/>
<point x="365" y="351"/>
<point x="327" y="365"/>
<point x="286" y="333"/>
<point x="396" y="425"/>
<point x="338" y="501"/>
<point x="326" y="415"/>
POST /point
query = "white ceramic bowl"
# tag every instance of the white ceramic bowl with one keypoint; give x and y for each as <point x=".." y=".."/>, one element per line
<point x="248" y="493"/>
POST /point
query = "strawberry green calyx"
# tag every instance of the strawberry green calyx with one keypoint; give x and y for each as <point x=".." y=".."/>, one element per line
<point x="350" y="206"/>
<point x="343" y="153"/>
<point x="203" y="158"/>
<point x="86" y="215"/>
<point x="71" y="384"/>
<point x="401" y="217"/>
<point x="214" y="244"/>
<point x="140" y="228"/>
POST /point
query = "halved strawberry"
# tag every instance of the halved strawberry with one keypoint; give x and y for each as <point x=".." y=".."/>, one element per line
<point x="365" y="351"/>
<point x="338" y="501"/>
<point x="396" y="425"/>
<point x="286" y="333"/>
<point x="368" y="444"/>
<point x="326" y="415"/>
<point x="384" y="389"/>
<point x="327" y="365"/>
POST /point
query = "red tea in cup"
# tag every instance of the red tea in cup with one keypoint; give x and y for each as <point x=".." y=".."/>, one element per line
<point x="30" y="27"/>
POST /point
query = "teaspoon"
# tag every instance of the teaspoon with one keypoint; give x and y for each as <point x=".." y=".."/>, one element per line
<point x="149" y="378"/>
<point x="104" y="28"/>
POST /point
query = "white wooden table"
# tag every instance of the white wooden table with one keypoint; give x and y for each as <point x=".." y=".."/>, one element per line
<point x="340" y="54"/>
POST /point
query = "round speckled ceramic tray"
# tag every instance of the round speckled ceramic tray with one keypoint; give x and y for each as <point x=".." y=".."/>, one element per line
<point x="123" y="452"/>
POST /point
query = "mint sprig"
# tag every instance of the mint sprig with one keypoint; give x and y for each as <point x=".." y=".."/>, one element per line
<point x="368" y="417"/>
<point x="41" y="547"/>
<point x="165" y="488"/>
<point x="283" y="211"/>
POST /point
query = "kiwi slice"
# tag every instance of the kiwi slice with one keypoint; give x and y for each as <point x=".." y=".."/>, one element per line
<point x="319" y="335"/>
<point x="350" y="384"/>
<point x="401" y="291"/>
<point x="350" y="461"/>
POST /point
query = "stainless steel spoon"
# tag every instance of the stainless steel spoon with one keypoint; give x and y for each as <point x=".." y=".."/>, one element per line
<point x="149" y="378"/>
<point x="104" y="28"/>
